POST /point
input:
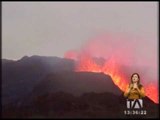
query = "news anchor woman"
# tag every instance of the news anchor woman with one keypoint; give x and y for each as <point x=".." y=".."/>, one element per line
<point x="134" y="90"/>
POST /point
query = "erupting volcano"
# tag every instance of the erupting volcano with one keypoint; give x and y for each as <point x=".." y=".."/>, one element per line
<point x="115" y="56"/>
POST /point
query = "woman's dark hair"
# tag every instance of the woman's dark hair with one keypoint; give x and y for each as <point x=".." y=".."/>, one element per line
<point x="139" y="85"/>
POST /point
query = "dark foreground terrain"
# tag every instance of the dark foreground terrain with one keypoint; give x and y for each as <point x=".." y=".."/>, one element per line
<point x="65" y="105"/>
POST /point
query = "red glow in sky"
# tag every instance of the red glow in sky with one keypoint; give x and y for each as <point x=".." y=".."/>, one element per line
<point x="115" y="54"/>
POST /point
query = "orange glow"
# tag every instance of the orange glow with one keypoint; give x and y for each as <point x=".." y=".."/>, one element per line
<point x="151" y="92"/>
<point x="110" y="67"/>
<point x="86" y="63"/>
<point x="119" y="60"/>
<point x="71" y="55"/>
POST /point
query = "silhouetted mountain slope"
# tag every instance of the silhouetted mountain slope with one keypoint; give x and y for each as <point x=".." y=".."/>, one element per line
<point x="76" y="83"/>
<point x="19" y="77"/>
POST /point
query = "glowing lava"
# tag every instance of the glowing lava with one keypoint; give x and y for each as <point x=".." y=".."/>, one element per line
<point x="122" y="56"/>
<point x="86" y="63"/>
<point x="110" y="67"/>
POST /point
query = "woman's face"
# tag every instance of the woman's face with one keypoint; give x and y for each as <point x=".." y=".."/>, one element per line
<point x="135" y="78"/>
